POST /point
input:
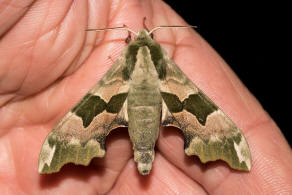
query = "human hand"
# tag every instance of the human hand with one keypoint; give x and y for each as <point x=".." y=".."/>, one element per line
<point x="48" y="62"/>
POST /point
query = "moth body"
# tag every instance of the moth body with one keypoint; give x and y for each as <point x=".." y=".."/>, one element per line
<point x="144" y="109"/>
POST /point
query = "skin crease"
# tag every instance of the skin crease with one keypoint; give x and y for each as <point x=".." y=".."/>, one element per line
<point x="48" y="62"/>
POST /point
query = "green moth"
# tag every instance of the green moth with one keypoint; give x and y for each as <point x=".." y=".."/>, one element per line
<point x="142" y="90"/>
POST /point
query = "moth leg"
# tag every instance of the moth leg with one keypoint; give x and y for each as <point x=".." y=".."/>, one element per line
<point x="111" y="59"/>
<point x="145" y="27"/>
<point x="129" y="38"/>
<point x="144" y="24"/>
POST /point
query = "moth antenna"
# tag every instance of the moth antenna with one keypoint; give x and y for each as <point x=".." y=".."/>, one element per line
<point x="113" y="28"/>
<point x="171" y="26"/>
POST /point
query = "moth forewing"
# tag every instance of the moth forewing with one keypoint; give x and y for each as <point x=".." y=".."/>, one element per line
<point x="142" y="89"/>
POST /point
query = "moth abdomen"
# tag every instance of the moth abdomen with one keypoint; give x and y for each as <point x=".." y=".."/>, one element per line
<point x="144" y="122"/>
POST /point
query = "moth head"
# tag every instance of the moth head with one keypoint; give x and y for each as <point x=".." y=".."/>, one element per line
<point x="143" y="35"/>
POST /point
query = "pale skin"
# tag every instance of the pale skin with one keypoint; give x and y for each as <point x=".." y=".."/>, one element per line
<point x="48" y="62"/>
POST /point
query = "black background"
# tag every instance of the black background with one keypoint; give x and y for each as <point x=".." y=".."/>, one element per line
<point x="250" y="39"/>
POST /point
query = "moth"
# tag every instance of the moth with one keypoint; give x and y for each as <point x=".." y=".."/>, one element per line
<point x="143" y="90"/>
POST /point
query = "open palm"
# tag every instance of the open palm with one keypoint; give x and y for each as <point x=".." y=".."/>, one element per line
<point x="48" y="62"/>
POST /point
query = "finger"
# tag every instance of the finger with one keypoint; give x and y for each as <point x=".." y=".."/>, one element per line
<point x="163" y="179"/>
<point x="10" y="13"/>
<point x="205" y="68"/>
<point x="41" y="46"/>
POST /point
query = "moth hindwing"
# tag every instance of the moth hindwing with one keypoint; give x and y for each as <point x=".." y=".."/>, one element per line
<point x="143" y="89"/>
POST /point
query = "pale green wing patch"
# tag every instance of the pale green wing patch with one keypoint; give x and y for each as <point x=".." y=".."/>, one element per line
<point x="208" y="132"/>
<point x="81" y="134"/>
<point x="57" y="151"/>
